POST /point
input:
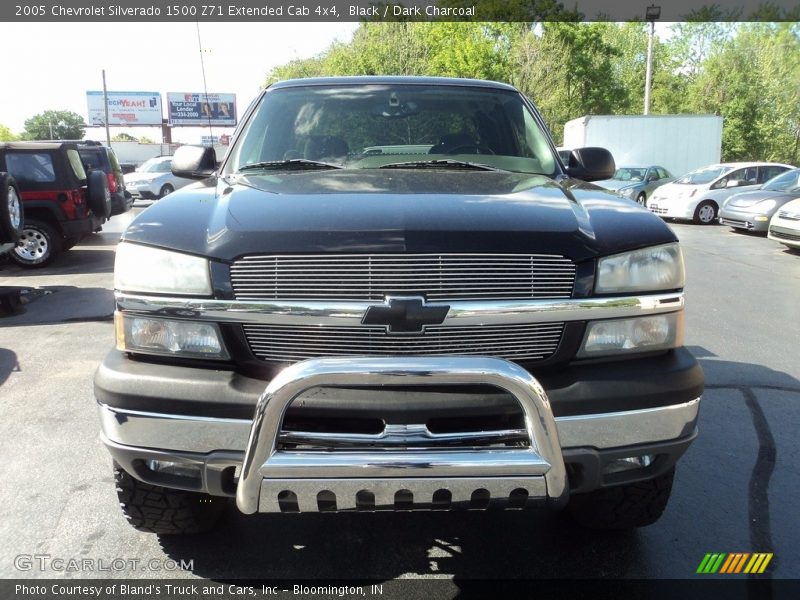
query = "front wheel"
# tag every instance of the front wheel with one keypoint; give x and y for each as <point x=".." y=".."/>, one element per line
<point x="623" y="506"/>
<point x="39" y="244"/>
<point x="641" y="199"/>
<point x="705" y="213"/>
<point x="166" y="190"/>
<point x="166" y="511"/>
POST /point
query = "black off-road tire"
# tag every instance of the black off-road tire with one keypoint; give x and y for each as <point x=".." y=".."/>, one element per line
<point x="12" y="219"/>
<point x="166" y="511"/>
<point x="624" y="506"/>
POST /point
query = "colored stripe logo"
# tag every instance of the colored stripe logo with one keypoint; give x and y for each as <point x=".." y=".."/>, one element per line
<point x="734" y="562"/>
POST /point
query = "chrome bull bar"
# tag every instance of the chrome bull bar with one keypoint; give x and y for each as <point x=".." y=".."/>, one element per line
<point x="317" y="478"/>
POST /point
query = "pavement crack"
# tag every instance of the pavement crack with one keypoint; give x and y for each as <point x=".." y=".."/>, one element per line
<point x="745" y="388"/>
<point x="758" y="489"/>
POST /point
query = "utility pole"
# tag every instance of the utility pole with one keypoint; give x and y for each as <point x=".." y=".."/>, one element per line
<point x="651" y="14"/>
<point x="105" y="107"/>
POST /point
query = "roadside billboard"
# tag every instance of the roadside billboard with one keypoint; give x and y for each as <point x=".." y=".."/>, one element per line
<point x="125" y="108"/>
<point x="201" y="109"/>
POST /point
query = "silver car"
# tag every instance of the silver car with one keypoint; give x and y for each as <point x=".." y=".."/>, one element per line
<point x="637" y="183"/>
<point x="751" y="211"/>
<point x="785" y="225"/>
<point x="154" y="179"/>
<point x="698" y="196"/>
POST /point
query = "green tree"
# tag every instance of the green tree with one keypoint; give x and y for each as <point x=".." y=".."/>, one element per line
<point x="751" y="80"/>
<point x="6" y="135"/>
<point x="410" y="48"/>
<point x="568" y="70"/>
<point x="55" y="124"/>
<point x="124" y="137"/>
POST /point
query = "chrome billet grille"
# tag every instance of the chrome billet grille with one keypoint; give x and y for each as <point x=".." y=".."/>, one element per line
<point x="283" y="343"/>
<point x="438" y="277"/>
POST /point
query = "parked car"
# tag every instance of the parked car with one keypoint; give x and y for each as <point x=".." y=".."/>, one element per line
<point x="11" y="213"/>
<point x="97" y="156"/>
<point x="785" y="225"/>
<point x="62" y="203"/>
<point x="698" y="196"/>
<point x="154" y="179"/>
<point x="751" y="211"/>
<point x="637" y="183"/>
<point x="475" y="322"/>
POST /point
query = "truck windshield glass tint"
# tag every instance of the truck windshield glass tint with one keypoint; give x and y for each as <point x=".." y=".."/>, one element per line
<point x="369" y="126"/>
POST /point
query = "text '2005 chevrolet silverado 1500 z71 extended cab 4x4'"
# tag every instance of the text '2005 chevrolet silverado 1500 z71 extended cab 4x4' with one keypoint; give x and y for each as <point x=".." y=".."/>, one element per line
<point x="391" y="294"/>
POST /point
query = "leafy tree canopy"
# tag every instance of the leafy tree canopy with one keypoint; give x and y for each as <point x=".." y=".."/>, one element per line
<point x="55" y="124"/>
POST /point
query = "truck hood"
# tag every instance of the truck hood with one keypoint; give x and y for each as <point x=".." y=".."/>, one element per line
<point x="390" y="210"/>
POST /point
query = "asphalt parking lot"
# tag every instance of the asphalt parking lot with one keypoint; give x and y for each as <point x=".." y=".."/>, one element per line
<point x="735" y="490"/>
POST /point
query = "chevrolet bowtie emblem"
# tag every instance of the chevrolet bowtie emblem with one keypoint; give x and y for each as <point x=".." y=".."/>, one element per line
<point x="405" y="315"/>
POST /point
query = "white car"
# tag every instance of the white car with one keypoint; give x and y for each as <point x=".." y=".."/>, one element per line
<point x="784" y="227"/>
<point x="154" y="179"/>
<point x="698" y="196"/>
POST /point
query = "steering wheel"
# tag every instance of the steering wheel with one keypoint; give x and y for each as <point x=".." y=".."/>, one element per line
<point x="477" y="149"/>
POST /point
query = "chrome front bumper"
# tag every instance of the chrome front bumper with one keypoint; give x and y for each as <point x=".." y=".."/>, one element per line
<point x="269" y="474"/>
<point x="271" y="477"/>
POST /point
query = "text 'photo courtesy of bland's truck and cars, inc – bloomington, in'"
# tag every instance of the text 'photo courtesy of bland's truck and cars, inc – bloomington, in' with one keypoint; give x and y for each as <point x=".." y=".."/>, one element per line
<point x="469" y="310"/>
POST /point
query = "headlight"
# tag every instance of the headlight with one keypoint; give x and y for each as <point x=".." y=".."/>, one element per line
<point x="626" y="192"/>
<point x="764" y="206"/>
<point x="145" y="269"/>
<point x="148" y="335"/>
<point x="640" y="334"/>
<point x="645" y="270"/>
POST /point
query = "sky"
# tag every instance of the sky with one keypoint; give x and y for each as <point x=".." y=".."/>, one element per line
<point x="67" y="60"/>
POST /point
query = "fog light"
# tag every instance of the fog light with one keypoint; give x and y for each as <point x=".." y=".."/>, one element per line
<point x="628" y="464"/>
<point x="165" y="336"/>
<point x="173" y="468"/>
<point x="656" y="332"/>
<point x="761" y="218"/>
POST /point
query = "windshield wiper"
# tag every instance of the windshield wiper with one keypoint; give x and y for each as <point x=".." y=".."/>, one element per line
<point x="299" y="164"/>
<point x="446" y="163"/>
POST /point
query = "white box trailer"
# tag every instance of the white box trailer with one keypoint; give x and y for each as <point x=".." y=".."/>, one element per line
<point x="679" y="143"/>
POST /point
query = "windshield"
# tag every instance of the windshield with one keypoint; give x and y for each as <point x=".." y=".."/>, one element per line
<point x="785" y="182"/>
<point x="630" y="174"/>
<point x="156" y="165"/>
<point x="370" y="125"/>
<point x="702" y="176"/>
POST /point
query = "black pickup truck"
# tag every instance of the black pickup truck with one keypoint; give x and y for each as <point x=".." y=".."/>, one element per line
<point x="393" y="295"/>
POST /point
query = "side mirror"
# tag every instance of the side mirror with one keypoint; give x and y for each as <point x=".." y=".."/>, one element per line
<point x="591" y="164"/>
<point x="735" y="183"/>
<point x="194" y="162"/>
